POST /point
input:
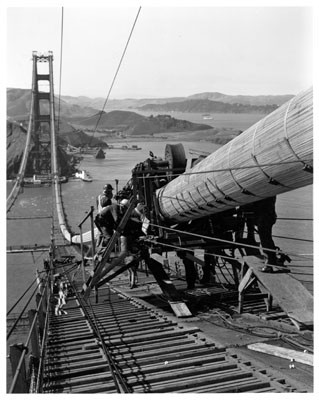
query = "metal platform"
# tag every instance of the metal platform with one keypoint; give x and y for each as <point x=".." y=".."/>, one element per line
<point x="151" y="352"/>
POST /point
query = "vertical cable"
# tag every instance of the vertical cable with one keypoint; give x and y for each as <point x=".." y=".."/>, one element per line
<point x="61" y="50"/>
<point x="117" y="70"/>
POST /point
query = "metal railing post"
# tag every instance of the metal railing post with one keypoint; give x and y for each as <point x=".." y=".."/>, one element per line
<point x="34" y="335"/>
<point x="82" y="258"/>
<point x="38" y="299"/>
<point x="16" y="351"/>
<point x="92" y="237"/>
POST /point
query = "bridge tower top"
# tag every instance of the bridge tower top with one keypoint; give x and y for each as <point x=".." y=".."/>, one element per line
<point x="42" y="118"/>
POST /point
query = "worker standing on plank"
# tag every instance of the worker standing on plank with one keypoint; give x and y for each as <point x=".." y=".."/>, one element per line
<point x="105" y="199"/>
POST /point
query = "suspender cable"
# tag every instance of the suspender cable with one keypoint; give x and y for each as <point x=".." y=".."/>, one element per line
<point x="60" y="79"/>
<point x="117" y="70"/>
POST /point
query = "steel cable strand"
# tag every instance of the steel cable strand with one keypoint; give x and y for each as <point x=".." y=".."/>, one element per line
<point x="281" y="334"/>
<point x="213" y="254"/>
<point x="115" y="76"/>
<point x="18" y="301"/>
<point x="186" y="249"/>
<point x="93" y="324"/>
<point x="225" y="169"/>
<point x="210" y="238"/>
<point x="294" y="219"/>
<point x="236" y="244"/>
<point x="291" y="238"/>
<point x="236" y="327"/>
<point x="116" y="374"/>
<point x="43" y="348"/>
<point x="139" y="375"/>
<point x="224" y="265"/>
<point x="23" y="310"/>
<point x="25" y="348"/>
<point x="245" y="328"/>
<point x="60" y="78"/>
<point x="297" y="344"/>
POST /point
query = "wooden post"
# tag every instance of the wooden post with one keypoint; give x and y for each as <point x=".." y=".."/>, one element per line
<point x="269" y="302"/>
<point x="96" y="295"/>
<point x="167" y="266"/>
<point x="15" y="355"/>
<point x="244" y="284"/>
<point x="34" y="335"/>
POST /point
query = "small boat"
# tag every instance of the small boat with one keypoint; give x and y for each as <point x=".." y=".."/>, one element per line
<point x="84" y="175"/>
<point x="207" y="116"/>
<point x="134" y="147"/>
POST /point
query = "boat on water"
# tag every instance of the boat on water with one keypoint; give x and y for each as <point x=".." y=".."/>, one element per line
<point x="84" y="175"/>
<point x="207" y="116"/>
<point x="41" y="180"/>
<point x="125" y="147"/>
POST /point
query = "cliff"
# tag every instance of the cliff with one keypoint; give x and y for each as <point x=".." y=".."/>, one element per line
<point x="16" y="139"/>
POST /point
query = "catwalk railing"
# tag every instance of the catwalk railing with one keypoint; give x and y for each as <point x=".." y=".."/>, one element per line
<point x="24" y="370"/>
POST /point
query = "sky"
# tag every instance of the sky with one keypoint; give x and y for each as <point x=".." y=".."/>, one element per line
<point x="173" y="50"/>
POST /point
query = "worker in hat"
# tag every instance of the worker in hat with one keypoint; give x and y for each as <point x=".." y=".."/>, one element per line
<point x="108" y="220"/>
<point x="105" y="199"/>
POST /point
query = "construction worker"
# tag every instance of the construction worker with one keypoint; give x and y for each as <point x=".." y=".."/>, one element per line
<point x="263" y="215"/>
<point x="105" y="199"/>
<point x="107" y="221"/>
<point x="190" y="270"/>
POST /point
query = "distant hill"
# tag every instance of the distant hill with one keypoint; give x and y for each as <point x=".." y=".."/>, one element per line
<point x="16" y="139"/>
<point x="208" y="106"/>
<point x="124" y="104"/>
<point x="261" y="100"/>
<point x="19" y="100"/>
<point x="132" y="124"/>
<point x="71" y="107"/>
<point x="114" y="104"/>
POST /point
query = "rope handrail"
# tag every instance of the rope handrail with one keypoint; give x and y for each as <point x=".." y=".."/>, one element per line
<point x="20" y="298"/>
<point x="213" y="238"/>
<point x="21" y="313"/>
<point x="24" y="352"/>
<point x="43" y="346"/>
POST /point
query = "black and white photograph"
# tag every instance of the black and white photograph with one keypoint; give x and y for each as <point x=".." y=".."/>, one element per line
<point x="160" y="197"/>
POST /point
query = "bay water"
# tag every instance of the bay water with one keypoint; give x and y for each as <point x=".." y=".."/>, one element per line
<point x="292" y="232"/>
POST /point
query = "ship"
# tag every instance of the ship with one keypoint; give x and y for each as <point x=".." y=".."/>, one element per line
<point x="84" y="175"/>
<point x="41" y="180"/>
<point x="124" y="147"/>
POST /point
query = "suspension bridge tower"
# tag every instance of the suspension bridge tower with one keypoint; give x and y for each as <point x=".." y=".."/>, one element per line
<point x="42" y="118"/>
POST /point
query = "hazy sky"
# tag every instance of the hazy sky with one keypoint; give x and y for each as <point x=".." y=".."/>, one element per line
<point x="174" y="51"/>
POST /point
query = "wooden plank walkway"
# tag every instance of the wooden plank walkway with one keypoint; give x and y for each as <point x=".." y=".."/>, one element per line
<point x="290" y="294"/>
